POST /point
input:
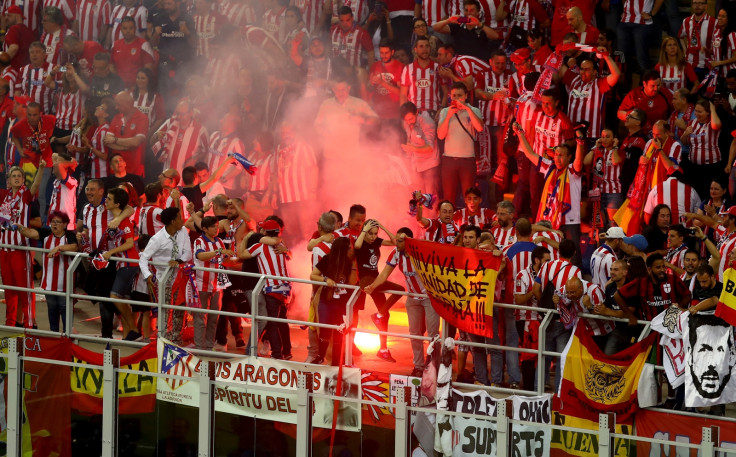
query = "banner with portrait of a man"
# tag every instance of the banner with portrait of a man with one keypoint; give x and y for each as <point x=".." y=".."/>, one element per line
<point x="710" y="377"/>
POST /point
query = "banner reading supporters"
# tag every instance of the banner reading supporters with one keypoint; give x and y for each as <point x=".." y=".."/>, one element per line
<point x="680" y="428"/>
<point x="252" y="384"/>
<point x="475" y="437"/>
<point x="726" y="308"/>
<point x="593" y="382"/>
<point x="136" y="393"/>
<point x="460" y="283"/>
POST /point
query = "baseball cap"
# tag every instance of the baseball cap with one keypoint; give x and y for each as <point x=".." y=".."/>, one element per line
<point x="15" y="9"/>
<point x="270" y="226"/>
<point x="520" y="55"/>
<point x="615" y="233"/>
<point x="638" y="241"/>
<point x="729" y="212"/>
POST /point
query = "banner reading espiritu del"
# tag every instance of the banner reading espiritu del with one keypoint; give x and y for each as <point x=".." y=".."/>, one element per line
<point x="460" y="283"/>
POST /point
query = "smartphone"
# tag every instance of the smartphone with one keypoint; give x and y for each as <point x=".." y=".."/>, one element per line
<point x="378" y="9"/>
<point x="463" y="20"/>
<point x="62" y="69"/>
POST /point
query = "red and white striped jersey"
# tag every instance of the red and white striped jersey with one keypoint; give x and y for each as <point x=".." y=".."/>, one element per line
<point x="674" y="78"/>
<point x="557" y="272"/>
<point x="14" y="207"/>
<point x="31" y="84"/>
<point x="95" y="219"/>
<point x="609" y="173"/>
<point x="523" y="284"/>
<point x="433" y="11"/>
<point x="54" y="268"/>
<point x="353" y="45"/>
<point x="150" y="219"/>
<point x="464" y="66"/>
<point x="423" y="85"/>
<point x="207" y="280"/>
<point x="185" y="143"/>
<point x="522" y="15"/>
<point x="440" y="232"/>
<point x="261" y="180"/>
<point x="66" y="7"/>
<point x="274" y="23"/>
<point x="634" y="8"/>
<point x="296" y="166"/>
<point x="359" y="8"/>
<point x="92" y="15"/>
<point x="519" y="255"/>
<point x="311" y="13"/>
<point x="270" y="263"/>
<point x="206" y="27"/>
<point x="550" y="132"/>
<point x="556" y="236"/>
<point x="98" y="166"/>
<point x="239" y="13"/>
<point x="54" y="42"/>
<point x="504" y="236"/>
<point x="704" y="148"/>
<point x="484" y="217"/>
<point x="495" y="112"/>
<point x="718" y="53"/>
<point x="31" y="12"/>
<point x="597" y="297"/>
<point x="698" y="35"/>
<point x="221" y="146"/>
<point x="64" y="198"/>
<point x="150" y="104"/>
<point x="138" y="12"/>
<point x="401" y="260"/>
<point x="726" y="243"/>
<point x="222" y="71"/>
<point x="585" y="101"/>
<point x="680" y="197"/>
<point x="69" y="109"/>
<point x="676" y="256"/>
<point x="11" y="152"/>
<point x="319" y="251"/>
<point x="600" y="264"/>
<point x="12" y="75"/>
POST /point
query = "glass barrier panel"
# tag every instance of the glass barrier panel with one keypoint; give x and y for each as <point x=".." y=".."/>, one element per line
<point x="234" y="435"/>
<point x="172" y="429"/>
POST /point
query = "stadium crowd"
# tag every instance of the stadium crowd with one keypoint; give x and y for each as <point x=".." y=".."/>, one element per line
<point x="219" y="133"/>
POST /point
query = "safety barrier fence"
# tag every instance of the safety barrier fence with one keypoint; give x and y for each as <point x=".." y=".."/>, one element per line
<point x="255" y="317"/>
<point x="209" y="428"/>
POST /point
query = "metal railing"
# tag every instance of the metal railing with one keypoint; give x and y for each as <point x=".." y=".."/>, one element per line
<point x="77" y="258"/>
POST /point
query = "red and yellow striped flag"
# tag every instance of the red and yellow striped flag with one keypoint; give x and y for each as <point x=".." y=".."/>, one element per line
<point x="726" y="308"/>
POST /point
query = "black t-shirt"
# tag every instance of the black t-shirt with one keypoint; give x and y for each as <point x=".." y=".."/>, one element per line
<point x="251" y="265"/>
<point x="174" y="45"/>
<point x="471" y="42"/>
<point x="107" y="86"/>
<point x="45" y="232"/>
<point x="656" y="238"/>
<point x="367" y="258"/>
<point x="700" y="294"/>
<point x="135" y="180"/>
<point x="194" y="195"/>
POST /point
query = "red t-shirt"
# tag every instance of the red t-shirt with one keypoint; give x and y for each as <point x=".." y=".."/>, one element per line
<point x="35" y="142"/>
<point x="128" y="58"/>
<point x="657" y="107"/>
<point x="21" y="35"/>
<point x="136" y="124"/>
<point x="124" y="232"/>
<point x="385" y="103"/>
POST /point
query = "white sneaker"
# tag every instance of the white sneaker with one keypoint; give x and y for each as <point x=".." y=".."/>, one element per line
<point x="264" y="348"/>
<point x="220" y="347"/>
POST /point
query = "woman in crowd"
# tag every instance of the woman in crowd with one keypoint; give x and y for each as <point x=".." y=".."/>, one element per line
<point x="147" y="99"/>
<point x="422" y="30"/>
<point x="657" y="228"/>
<point x="606" y="161"/>
<point x="673" y="67"/>
<point x="70" y="103"/>
<point x="296" y="39"/>
<point x="724" y="44"/>
<point x="539" y="47"/>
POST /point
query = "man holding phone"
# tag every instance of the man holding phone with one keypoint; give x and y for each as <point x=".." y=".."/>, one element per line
<point x="470" y="35"/>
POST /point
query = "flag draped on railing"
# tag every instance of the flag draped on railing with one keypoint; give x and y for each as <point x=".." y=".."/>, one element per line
<point x="460" y="283"/>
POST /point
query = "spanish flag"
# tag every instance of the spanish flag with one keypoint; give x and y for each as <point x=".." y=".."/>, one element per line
<point x="594" y="383"/>
<point x="460" y="283"/>
<point x="726" y="308"/>
<point x="629" y="214"/>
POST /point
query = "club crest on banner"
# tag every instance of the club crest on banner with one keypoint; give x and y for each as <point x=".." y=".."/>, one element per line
<point x="174" y="362"/>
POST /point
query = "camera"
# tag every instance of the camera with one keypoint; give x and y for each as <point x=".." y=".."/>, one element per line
<point x="62" y="69"/>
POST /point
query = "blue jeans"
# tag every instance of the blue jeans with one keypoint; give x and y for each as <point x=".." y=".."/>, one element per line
<point x="56" y="305"/>
<point x="632" y="39"/>
<point x="556" y="339"/>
